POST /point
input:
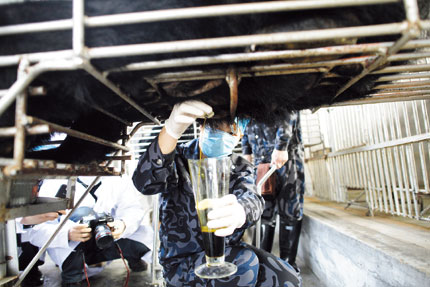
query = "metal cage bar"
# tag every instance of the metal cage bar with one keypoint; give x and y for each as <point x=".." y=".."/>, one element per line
<point x="390" y="164"/>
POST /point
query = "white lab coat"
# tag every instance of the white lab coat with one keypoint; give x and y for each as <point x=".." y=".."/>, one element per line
<point x="116" y="196"/>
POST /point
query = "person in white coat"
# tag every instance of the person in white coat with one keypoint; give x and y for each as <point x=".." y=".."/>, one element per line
<point x="26" y="250"/>
<point x="75" y="244"/>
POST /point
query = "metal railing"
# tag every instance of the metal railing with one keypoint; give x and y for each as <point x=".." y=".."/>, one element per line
<point x="380" y="150"/>
<point x="373" y="55"/>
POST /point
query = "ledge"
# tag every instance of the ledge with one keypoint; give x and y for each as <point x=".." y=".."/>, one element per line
<point x="347" y="248"/>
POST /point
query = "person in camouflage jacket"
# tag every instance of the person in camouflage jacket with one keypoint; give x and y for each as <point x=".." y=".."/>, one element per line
<point x="280" y="143"/>
<point x="163" y="169"/>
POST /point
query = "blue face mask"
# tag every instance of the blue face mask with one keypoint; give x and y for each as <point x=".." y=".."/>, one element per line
<point x="216" y="143"/>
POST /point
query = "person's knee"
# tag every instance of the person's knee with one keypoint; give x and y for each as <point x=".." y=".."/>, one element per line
<point x="247" y="268"/>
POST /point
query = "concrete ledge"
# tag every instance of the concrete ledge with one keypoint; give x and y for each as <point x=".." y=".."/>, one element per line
<point x="347" y="248"/>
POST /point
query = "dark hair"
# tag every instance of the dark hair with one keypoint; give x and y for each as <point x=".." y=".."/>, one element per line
<point x="215" y="123"/>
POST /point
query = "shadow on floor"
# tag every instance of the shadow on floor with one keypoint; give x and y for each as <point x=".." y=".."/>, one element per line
<point x="115" y="273"/>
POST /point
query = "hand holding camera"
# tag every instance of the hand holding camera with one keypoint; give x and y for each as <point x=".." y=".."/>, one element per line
<point x="98" y="225"/>
<point x="80" y="233"/>
<point x="117" y="227"/>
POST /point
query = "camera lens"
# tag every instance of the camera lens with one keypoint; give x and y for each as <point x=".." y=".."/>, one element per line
<point x="103" y="236"/>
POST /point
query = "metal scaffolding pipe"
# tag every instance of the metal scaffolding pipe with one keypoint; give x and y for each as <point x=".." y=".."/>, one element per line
<point x="402" y="85"/>
<point x="425" y="24"/>
<point x="248" y="57"/>
<point x="32" y="72"/>
<point x="406" y="96"/>
<point x="99" y="76"/>
<point x="78" y="40"/>
<point x="259" y="70"/>
<point x="76" y="134"/>
<point x="404" y="68"/>
<point x="259" y="188"/>
<point x="425" y="90"/>
<point x="409" y="33"/>
<point x="60" y="226"/>
<point x="109" y="114"/>
<point x="20" y="122"/>
<point x="226" y="58"/>
<point x="383" y="145"/>
<point x="408" y="56"/>
<point x="219" y="74"/>
<point x="187" y="13"/>
<point x="13" y="60"/>
<point x="248" y="40"/>
<point x="425" y="75"/>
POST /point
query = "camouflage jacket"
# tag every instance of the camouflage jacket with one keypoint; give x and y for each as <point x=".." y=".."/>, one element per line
<point x="261" y="139"/>
<point x="180" y="234"/>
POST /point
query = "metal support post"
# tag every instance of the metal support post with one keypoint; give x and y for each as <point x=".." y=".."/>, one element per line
<point x="155" y="266"/>
<point x="259" y="187"/>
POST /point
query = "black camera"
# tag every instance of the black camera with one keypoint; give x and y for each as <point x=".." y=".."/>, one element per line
<point x="99" y="228"/>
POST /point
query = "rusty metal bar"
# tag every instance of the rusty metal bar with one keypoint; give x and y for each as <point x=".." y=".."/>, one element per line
<point x="226" y="58"/>
<point x="219" y="74"/>
<point x="109" y="114"/>
<point x="243" y="41"/>
<point x="33" y="130"/>
<point x="32" y="72"/>
<point x="411" y="33"/>
<point x="77" y="134"/>
<point x="246" y="57"/>
<point x="403" y="68"/>
<point x="119" y="157"/>
<point x="186" y="13"/>
<point x="99" y="76"/>
<point x="46" y="168"/>
<point x="20" y="121"/>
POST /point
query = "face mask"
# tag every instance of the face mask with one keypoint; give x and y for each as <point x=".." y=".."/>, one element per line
<point x="239" y="126"/>
<point x="216" y="143"/>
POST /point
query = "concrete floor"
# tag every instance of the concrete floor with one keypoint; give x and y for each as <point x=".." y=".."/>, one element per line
<point x="115" y="274"/>
<point x="346" y="248"/>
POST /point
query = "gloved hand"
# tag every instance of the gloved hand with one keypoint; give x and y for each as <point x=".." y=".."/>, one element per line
<point x="226" y="214"/>
<point x="184" y="114"/>
<point x="279" y="158"/>
<point x="117" y="227"/>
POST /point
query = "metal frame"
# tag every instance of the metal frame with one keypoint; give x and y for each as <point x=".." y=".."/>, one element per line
<point x="382" y="150"/>
<point x="374" y="55"/>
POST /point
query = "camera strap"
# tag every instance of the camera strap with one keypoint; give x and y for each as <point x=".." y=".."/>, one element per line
<point x="93" y="190"/>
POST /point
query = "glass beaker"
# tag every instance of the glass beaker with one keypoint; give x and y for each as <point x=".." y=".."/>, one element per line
<point x="210" y="178"/>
